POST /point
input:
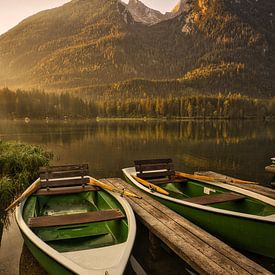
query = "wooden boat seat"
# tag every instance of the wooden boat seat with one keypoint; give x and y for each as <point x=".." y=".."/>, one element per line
<point x="72" y="219"/>
<point x="65" y="175"/>
<point x="157" y="171"/>
<point x="216" y="198"/>
<point x="65" y="190"/>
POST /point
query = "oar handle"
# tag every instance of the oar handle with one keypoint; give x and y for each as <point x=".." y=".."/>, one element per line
<point x="123" y="192"/>
<point x="225" y="179"/>
<point x="193" y="177"/>
<point x="30" y="190"/>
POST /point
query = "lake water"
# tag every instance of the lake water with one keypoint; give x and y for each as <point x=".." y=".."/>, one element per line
<point x="237" y="148"/>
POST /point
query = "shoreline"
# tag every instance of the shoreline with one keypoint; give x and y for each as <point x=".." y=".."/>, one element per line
<point x="133" y="119"/>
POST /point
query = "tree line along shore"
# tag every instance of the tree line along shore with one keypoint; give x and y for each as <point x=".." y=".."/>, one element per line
<point x="40" y="105"/>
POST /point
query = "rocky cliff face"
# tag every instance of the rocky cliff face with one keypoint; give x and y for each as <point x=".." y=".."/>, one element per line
<point x="144" y="14"/>
<point x="182" y="6"/>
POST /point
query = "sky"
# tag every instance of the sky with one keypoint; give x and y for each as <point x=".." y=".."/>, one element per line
<point x="14" y="11"/>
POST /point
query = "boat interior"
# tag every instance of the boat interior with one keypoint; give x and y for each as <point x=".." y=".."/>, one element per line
<point x="162" y="173"/>
<point x="71" y="217"/>
<point x="204" y="194"/>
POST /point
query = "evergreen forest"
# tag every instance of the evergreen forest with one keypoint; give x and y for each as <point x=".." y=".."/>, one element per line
<point x="40" y="105"/>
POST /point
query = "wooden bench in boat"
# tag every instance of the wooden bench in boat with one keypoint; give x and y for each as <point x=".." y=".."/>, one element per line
<point x="65" y="179"/>
<point x="65" y="175"/>
<point x="65" y="190"/>
<point x="157" y="171"/>
<point x="216" y="198"/>
<point x="72" y="219"/>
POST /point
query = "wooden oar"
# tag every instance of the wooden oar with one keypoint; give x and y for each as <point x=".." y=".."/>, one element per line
<point x="151" y="185"/>
<point x="238" y="181"/>
<point x="193" y="177"/>
<point x="30" y="190"/>
<point x="98" y="183"/>
<point x="224" y="179"/>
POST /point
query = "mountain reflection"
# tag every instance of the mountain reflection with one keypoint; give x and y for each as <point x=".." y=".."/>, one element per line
<point x="238" y="148"/>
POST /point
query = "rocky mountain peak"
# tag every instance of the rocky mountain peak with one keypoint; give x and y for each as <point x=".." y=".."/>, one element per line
<point x="143" y="14"/>
<point x="182" y="6"/>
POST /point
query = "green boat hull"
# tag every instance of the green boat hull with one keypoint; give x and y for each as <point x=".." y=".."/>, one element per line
<point x="242" y="224"/>
<point x="51" y="266"/>
<point x="245" y="234"/>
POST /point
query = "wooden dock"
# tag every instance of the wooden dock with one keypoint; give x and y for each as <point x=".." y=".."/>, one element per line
<point x="203" y="252"/>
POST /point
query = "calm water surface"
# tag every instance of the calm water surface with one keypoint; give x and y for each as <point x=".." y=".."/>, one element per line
<point x="236" y="148"/>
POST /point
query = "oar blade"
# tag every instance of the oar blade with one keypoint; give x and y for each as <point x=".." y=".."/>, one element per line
<point x="151" y="185"/>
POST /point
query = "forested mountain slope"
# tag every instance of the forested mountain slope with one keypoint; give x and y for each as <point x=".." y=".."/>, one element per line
<point x="212" y="46"/>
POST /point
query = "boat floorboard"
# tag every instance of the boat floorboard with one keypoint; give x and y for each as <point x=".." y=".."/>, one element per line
<point x="93" y="216"/>
<point x="203" y="252"/>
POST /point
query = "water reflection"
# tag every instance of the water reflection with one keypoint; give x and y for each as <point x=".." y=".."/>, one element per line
<point x="4" y="222"/>
<point x="229" y="132"/>
<point x="1" y="231"/>
<point x="28" y="264"/>
<point x="239" y="148"/>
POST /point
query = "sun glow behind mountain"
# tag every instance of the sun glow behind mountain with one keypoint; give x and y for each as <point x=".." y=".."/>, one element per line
<point x="14" y="11"/>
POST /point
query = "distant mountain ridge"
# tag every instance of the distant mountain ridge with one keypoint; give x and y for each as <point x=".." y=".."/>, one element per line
<point x="214" y="46"/>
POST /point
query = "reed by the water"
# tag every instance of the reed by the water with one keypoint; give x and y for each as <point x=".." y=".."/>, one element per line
<point x="19" y="164"/>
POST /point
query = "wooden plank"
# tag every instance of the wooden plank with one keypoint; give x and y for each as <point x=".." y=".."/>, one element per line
<point x="68" y="167"/>
<point x="65" y="182"/>
<point x="156" y="167"/>
<point x="63" y="174"/>
<point x="216" y="198"/>
<point x="151" y="175"/>
<point x="65" y="190"/>
<point x="152" y="161"/>
<point x="203" y="252"/>
<point x="94" y="216"/>
<point x="151" y="167"/>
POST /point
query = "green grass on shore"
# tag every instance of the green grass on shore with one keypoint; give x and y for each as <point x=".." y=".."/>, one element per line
<point x="19" y="165"/>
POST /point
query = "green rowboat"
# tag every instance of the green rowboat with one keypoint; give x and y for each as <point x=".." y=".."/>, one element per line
<point x="77" y="229"/>
<point x="242" y="218"/>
